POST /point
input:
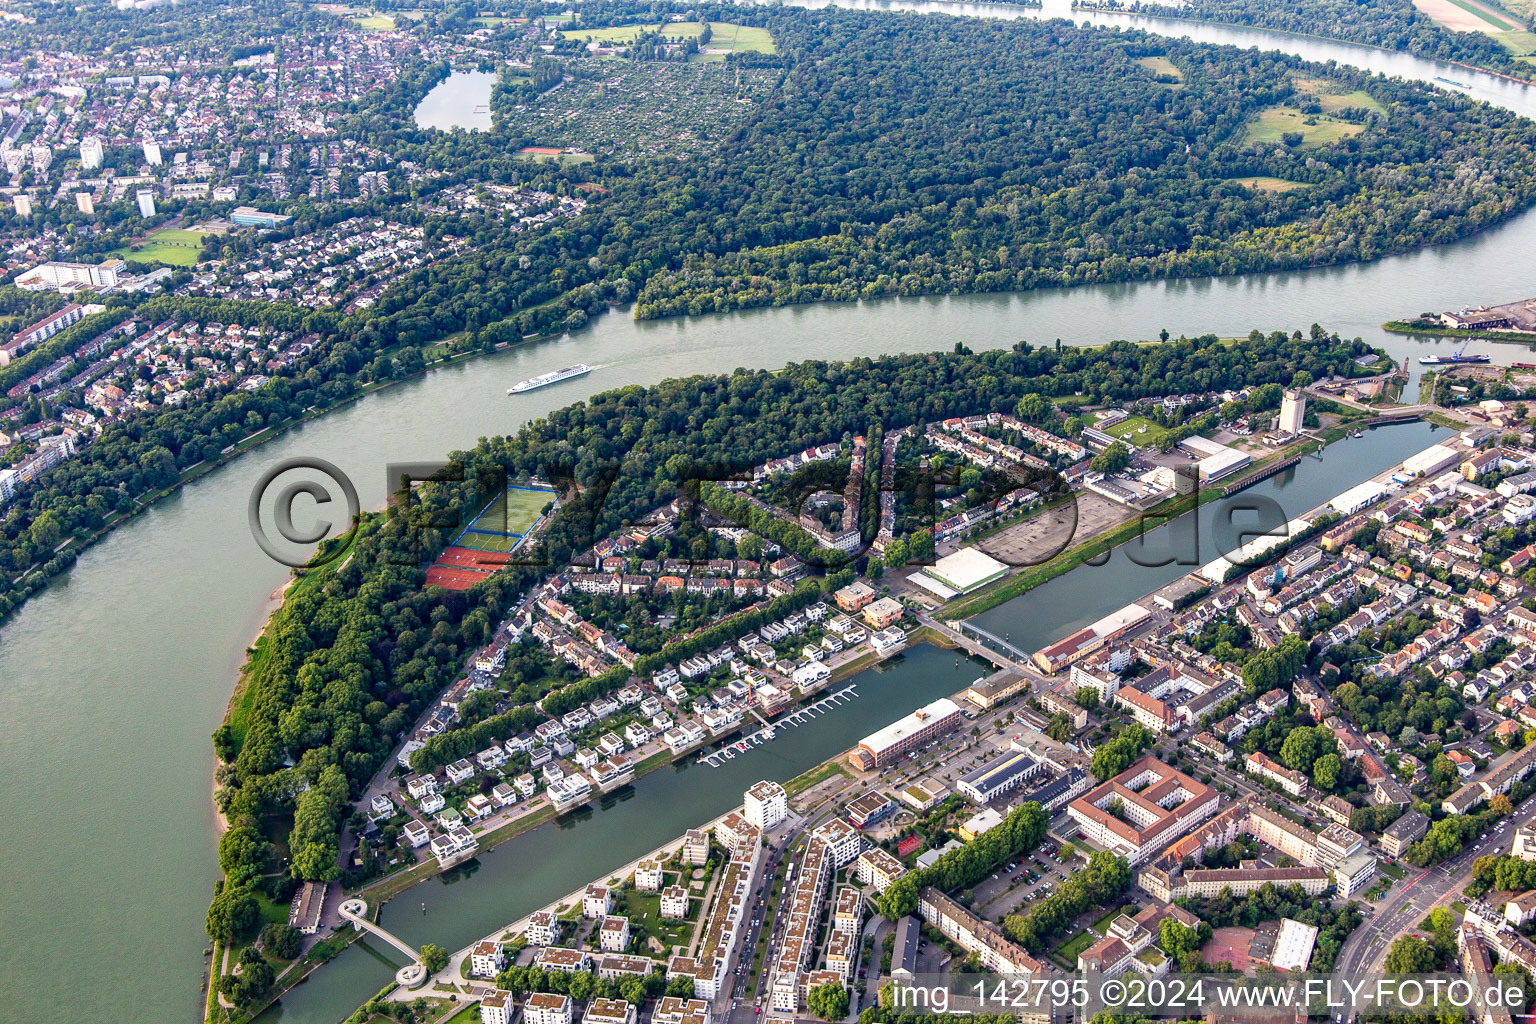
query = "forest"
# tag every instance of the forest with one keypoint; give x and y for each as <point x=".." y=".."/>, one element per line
<point x="1040" y="155"/>
<point x="350" y="663"/>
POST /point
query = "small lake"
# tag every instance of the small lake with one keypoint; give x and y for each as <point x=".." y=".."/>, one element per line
<point x="462" y="100"/>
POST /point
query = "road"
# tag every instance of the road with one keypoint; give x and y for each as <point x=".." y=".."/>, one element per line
<point x="1406" y="905"/>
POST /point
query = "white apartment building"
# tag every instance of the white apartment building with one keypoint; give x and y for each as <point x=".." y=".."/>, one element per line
<point x="547" y="1008"/>
<point x="497" y="1007"/>
<point x="765" y="805"/>
<point x="596" y="902"/>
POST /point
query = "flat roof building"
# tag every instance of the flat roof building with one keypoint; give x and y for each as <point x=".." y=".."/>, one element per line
<point x="998" y="776"/>
<point x="965" y="570"/>
<point x="906" y="734"/>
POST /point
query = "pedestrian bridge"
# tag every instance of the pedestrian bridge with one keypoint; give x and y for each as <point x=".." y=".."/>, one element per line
<point x="412" y="975"/>
<point x="995" y="641"/>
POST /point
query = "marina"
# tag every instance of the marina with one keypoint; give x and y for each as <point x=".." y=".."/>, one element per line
<point x="798" y="716"/>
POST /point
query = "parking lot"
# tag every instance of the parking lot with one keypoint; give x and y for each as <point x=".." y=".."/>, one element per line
<point x="1030" y="878"/>
<point x="1040" y="537"/>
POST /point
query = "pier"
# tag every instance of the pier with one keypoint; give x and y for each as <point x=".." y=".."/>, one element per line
<point x="1262" y="474"/>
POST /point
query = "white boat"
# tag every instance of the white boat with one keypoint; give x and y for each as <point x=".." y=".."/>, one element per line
<point x="546" y="379"/>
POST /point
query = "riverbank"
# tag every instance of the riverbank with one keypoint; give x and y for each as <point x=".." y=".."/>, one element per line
<point x="1170" y="13"/>
<point x="1414" y="329"/>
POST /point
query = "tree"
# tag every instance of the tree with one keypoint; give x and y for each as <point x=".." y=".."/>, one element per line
<point x="1033" y="409"/>
<point x="1112" y="459"/>
<point x="434" y="957"/>
<point x="1410" y="955"/>
<point x="1087" y="698"/>
<point x="282" y="940"/>
<point x="1499" y="804"/>
<point x="1305" y="745"/>
<point x="1176" y="938"/>
<point x="1325" y="771"/>
<point x="1114" y="757"/>
<point x="828" y="1001"/>
<point x="242" y="853"/>
<point x="233" y="912"/>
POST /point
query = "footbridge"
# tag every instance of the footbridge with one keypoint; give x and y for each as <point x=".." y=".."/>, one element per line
<point x="997" y="643"/>
<point x="412" y="975"/>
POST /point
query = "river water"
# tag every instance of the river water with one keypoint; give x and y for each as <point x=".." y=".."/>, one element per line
<point x="112" y="680"/>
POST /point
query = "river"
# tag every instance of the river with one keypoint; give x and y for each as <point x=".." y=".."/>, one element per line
<point x="112" y="680"/>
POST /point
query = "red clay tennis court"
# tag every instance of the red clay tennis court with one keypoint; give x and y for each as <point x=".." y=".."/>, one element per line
<point x="473" y="558"/>
<point x="453" y="579"/>
<point x="907" y="845"/>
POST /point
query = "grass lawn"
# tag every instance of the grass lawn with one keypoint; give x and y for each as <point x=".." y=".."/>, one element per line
<point x="271" y="912"/>
<point x="1130" y="430"/>
<point x="644" y="908"/>
<point x="1333" y="102"/>
<point x="1394" y="870"/>
<point x="1163" y="69"/>
<point x="1067" y="952"/>
<point x="1101" y="923"/>
<point x="564" y="159"/>
<point x="1264" y="184"/>
<point x="176" y="247"/>
<point x="723" y="35"/>
<point x="1518" y="42"/>
<point x="800" y="783"/>
<point x="375" y="23"/>
<point x="1275" y="122"/>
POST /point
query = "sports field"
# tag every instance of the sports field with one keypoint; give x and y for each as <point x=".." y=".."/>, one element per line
<point x="1137" y="430"/>
<point x="176" y="247"/>
<point x="1263" y="183"/>
<point x="501" y="524"/>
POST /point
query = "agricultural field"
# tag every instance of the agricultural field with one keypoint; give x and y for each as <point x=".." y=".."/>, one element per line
<point x="1316" y="130"/>
<point x="375" y="23"/>
<point x="1466" y="16"/>
<point x="650" y="107"/>
<point x="1520" y="43"/>
<point x="174" y="247"/>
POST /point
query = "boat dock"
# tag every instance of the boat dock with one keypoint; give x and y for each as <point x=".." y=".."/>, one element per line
<point x="800" y="715"/>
